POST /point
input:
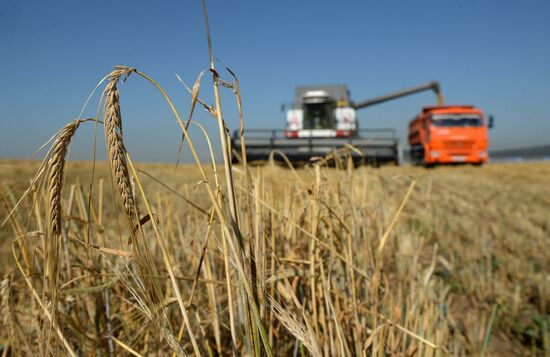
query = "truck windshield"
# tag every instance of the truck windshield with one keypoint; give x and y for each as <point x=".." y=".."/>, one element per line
<point x="456" y="120"/>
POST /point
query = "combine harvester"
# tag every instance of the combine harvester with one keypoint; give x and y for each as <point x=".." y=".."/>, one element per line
<point x="323" y="120"/>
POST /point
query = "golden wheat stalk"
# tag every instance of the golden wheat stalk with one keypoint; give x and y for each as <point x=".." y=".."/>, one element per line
<point x="56" y="175"/>
<point x="115" y="145"/>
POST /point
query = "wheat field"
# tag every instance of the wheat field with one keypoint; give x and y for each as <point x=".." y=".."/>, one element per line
<point x="337" y="260"/>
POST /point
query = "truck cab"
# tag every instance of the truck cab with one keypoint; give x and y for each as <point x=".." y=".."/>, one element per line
<point x="449" y="135"/>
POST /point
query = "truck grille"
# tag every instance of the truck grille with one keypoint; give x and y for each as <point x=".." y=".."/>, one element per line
<point x="459" y="144"/>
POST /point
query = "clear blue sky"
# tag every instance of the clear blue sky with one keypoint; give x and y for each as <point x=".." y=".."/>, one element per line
<point x="493" y="54"/>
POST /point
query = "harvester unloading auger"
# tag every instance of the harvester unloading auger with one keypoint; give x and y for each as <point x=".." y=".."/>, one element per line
<point x="322" y="120"/>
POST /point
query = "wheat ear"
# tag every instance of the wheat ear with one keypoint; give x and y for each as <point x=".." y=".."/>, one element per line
<point x="5" y="311"/>
<point x="115" y="145"/>
<point x="56" y="173"/>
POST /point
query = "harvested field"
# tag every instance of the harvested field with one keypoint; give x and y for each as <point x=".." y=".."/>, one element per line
<point x="329" y="261"/>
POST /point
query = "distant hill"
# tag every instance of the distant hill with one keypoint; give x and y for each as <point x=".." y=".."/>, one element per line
<point x="533" y="152"/>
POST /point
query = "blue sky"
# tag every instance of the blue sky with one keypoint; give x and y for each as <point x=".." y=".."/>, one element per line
<point x="493" y="54"/>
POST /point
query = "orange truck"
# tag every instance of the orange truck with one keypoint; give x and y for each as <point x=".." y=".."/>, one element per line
<point x="449" y="135"/>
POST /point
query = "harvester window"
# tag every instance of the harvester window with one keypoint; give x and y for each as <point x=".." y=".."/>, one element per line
<point x="318" y="116"/>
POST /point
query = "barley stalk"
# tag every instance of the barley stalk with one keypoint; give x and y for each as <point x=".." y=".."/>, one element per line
<point x="56" y="174"/>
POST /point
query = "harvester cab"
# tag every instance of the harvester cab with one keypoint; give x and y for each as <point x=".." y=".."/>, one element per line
<point x="321" y="112"/>
<point x="323" y="120"/>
